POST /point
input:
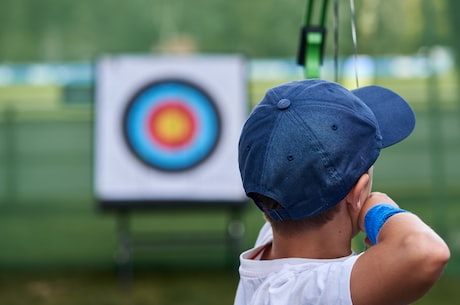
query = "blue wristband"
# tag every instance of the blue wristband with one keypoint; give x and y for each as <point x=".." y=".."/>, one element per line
<point x="376" y="217"/>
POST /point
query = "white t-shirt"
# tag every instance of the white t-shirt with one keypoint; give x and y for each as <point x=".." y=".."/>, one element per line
<point x="292" y="281"/>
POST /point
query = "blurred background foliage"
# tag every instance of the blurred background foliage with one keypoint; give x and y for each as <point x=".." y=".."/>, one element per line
<point x="66" y="30"/>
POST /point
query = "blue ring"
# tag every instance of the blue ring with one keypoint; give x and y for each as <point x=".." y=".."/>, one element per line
<point x="138" y="139"/>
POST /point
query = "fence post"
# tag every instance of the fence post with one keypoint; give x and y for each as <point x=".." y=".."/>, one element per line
<point x="437" y="151"/>
<point x="10" y="156"/>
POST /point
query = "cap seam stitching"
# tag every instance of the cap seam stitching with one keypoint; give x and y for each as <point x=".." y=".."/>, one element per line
<point x="326" y="163"/>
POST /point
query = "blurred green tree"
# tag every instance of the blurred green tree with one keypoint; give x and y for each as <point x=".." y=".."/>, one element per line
<point x="453" y="11"/>
<point x="62" y="30"/>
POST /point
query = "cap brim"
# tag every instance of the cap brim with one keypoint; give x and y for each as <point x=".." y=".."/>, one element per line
<point x="395" y="117"/>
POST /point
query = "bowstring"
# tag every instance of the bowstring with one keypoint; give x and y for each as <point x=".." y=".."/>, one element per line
<point x="355" y="43"/>
<point x="355" y="59"/>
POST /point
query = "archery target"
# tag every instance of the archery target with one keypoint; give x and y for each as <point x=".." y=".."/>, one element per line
<point x="167" y="129"/>
<point x="171" y="125"/>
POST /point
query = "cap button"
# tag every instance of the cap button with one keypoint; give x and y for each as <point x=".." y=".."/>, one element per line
<point x="283" y="104"/>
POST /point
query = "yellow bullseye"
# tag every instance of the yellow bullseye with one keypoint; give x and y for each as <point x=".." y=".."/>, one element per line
<point x="172" y="125"/>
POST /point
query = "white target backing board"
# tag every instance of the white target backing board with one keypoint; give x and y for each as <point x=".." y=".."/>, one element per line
<point x="167" y="130"/>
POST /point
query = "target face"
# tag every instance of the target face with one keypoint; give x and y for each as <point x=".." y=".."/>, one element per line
<point x="171" y="125"/>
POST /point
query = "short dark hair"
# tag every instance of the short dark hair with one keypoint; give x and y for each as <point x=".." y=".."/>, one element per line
<point x="290" y="226"/>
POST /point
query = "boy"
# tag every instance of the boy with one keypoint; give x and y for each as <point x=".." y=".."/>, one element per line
<point x="305" y="155"/>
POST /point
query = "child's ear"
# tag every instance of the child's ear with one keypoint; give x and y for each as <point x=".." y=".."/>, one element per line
<point x="355" y="198"/>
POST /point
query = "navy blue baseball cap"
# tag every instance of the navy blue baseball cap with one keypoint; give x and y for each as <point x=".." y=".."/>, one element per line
<point x="307" y="142"/>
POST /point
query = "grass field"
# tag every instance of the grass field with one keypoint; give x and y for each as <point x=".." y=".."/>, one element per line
<point x="172" y="288"/>
<point x="56" y="247"/>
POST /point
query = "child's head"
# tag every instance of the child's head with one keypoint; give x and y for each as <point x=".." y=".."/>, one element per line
<point x="307" y="143"/>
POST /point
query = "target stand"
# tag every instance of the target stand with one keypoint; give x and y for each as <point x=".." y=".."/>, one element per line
<point x="131" y="243"/>
<point x="166" y="138"/>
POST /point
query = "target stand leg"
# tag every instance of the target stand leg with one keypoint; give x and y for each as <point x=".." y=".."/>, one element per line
<point x="124" y="251"/>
